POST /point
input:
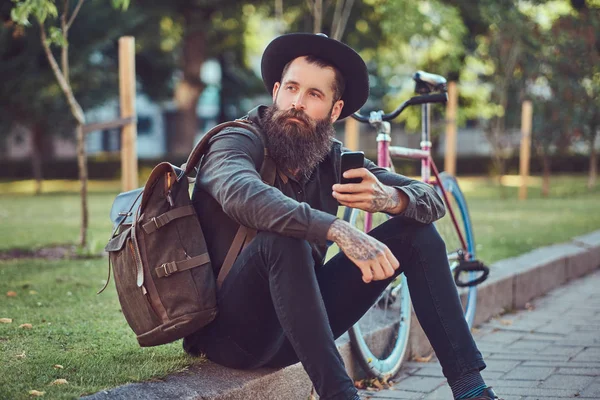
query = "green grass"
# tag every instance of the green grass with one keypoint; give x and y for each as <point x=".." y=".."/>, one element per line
<point x="88" y="335"/>
<point x="73" y="327"/>
<point x="31" y="222"/>
<point x="507" y="227"/>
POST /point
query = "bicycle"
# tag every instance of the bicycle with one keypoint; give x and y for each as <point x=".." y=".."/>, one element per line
<point x="391" y="313"/>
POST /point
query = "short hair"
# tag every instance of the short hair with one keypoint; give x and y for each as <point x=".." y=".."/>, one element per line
<point x="339" y="84"/>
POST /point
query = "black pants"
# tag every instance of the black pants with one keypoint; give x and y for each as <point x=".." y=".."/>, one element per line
<point x="276" y="308"/>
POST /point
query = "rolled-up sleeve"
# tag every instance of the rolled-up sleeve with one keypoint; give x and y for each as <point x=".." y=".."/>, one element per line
<point x="229" y="174"/>
<point x="425" y="204"/>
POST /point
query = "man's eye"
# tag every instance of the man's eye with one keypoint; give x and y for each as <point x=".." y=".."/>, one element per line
<point x="289" y="87"/>
<point x="315" y="94"/>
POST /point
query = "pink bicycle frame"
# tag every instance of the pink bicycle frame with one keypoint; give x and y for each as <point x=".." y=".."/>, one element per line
<point x="385" y="152"/>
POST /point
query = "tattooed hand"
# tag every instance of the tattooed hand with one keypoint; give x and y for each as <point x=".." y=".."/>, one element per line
<point x="374" y="259"/>
<point x="370" y="195"/>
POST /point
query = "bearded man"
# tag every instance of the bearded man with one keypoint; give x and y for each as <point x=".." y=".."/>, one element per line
<point x="280" y="302"/>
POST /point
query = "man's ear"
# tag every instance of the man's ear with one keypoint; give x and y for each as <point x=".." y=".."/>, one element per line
<point x="275" y="90"/>
<point x="336" y="110"/>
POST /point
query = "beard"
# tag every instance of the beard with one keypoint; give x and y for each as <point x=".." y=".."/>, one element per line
<point x="297" y="146"/>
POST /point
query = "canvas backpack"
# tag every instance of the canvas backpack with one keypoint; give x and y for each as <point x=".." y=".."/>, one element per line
<point x="161" y="266"/>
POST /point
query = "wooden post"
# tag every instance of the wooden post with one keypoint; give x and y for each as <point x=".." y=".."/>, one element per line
<point x="451" y="115"/>
<point x="526" y="117"/>
<point x="351" y="134"/>
<point x="129" y="165"/>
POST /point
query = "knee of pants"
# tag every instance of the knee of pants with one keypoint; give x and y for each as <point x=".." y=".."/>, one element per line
<point x="280" y="250"/>
<point x="427" y="239"/>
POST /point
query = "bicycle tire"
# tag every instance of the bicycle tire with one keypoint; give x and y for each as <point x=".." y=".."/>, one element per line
<point x="464" y="220"/>
<point x="382" y="358"/>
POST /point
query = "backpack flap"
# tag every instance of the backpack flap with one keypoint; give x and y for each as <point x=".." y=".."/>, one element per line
<point x="125" y="206"/>
<point x="117" y="242"/>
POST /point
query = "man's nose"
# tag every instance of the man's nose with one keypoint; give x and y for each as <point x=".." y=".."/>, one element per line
<point x="298" y="103"/>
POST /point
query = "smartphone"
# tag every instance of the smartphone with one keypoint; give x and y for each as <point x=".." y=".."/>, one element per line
<point x="351" y="160"/>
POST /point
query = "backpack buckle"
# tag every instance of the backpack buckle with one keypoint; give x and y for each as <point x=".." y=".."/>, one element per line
<point x="164" y="267"/>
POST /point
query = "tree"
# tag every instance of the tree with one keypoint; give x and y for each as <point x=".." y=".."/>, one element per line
<point x="549" y="128"/>
<point x="504" y="47"/>
<point x="54" y="30"/>
<point x="26" y="76"/>
<point x="577" y="59"/>
<point x="203" y="29"/>
<point x="30" y="95"/>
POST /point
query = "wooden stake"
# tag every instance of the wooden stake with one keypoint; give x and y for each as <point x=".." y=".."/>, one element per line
<point x="129" y="170"/>
<point x="351" y="134"/>
<point x="526" y="118"/>
<point x="451" y="114"/>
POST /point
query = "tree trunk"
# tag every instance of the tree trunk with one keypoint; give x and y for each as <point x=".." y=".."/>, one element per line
<point x="546" y="175"/>
<point x="188" y="90"/>
<point x="83" y="177"/>
<point x="499" y="163"/>
<point x="36" y="157"/>
<point x="279" y="17"/>
<point x="340" y="18"/>
<point x="500" y="167"/>
<point x="318" y="16"/>
<point x="78" y="114"/>
<point x="593" y="163"/>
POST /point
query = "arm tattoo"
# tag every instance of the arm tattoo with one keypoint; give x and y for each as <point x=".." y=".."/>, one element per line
<point x="384" y="200"/>
<point x="354" y="243"/>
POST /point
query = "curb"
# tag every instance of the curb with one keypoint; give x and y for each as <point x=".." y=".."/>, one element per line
<point x="513" y="283"/>
<point x="516" y="281"/>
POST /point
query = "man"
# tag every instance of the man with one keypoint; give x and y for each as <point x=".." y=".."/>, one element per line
<point x="279" y="304"/>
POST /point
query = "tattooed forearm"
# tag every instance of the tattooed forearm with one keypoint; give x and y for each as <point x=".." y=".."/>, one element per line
<point x="354" y="243"/>
<point x="388" y="199"/>
<point x="384" y="199"/>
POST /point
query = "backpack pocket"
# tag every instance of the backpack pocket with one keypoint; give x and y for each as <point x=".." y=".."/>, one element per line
<point x="133" y="299"/>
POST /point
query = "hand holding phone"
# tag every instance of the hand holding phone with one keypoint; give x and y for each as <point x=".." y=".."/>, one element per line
<point x="351" y="160"/>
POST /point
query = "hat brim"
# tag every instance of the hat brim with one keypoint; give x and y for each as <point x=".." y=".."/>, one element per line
<point x="286" y="48"/>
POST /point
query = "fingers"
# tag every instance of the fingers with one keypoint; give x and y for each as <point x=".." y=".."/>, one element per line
<point x="386" y="266"/>
<point x="382" y="267"/>
<point x="362" y="173"/>
<point x="351" y="198"/>
<point x="358" y="173"/>
<point x="367" y="274"/>
<point x="349" y="187"/>
<point x="392" y="259"/>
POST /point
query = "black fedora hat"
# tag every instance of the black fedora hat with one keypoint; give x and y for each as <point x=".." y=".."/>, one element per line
<point x="286" y="48"/>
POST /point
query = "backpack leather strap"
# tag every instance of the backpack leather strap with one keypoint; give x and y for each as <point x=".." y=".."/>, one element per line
<point x="158" y="222"/>
<point x="177" y="266"/>
<point x="244" y="235"/>
<point x="268" y="171"/>
<point x="232" y="253"/>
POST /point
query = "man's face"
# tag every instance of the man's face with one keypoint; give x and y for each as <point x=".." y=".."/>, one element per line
<point x="299" y="123"/>
<point x="308" y="88"/>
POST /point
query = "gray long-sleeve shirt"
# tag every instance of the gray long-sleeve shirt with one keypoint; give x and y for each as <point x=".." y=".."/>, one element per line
<point x="229" y="191"/>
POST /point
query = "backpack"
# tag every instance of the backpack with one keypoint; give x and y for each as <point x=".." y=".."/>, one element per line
<point x="161" y="267"/>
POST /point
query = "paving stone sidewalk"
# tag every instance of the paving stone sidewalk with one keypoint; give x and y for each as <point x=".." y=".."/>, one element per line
<point x="550" y="351"/>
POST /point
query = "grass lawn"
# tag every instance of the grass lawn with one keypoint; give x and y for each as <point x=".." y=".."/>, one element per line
<point x="87" y="335"/>
<point x="71" y="327"/>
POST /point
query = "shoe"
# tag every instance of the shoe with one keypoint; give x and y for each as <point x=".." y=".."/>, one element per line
<point x="488" y="394"/>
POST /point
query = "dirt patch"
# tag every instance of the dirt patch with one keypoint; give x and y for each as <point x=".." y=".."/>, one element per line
<point x="57" y="252"/>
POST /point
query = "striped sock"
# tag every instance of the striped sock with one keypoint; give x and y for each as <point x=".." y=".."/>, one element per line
<point x="467" y="386"/>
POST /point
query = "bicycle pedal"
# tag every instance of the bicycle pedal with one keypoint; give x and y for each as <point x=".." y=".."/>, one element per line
<point x="471" y="266"/>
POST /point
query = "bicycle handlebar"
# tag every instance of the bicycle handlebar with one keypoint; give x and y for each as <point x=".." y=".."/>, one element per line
<point x="424" y="99"/>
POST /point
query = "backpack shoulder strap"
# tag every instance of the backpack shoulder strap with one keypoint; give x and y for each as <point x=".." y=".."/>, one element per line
<point x="268" y="172"/>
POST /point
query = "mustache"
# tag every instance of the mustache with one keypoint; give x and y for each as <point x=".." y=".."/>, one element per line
<point x="293" y="113"/>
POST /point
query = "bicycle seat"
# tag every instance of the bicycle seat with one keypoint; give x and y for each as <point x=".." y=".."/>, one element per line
<point x="427" y="83"/>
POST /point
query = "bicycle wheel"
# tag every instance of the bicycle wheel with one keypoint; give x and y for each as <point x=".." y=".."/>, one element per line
<point x="455" y="249"/>
<point x="381" y="356"/>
